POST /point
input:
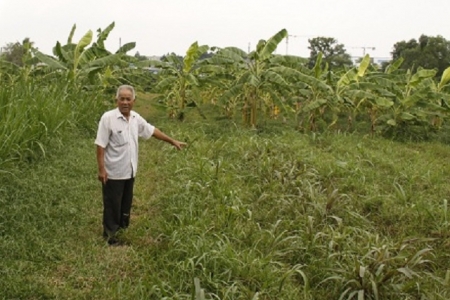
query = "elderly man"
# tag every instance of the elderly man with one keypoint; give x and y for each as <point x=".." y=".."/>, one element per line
<point x="117" y="159"/>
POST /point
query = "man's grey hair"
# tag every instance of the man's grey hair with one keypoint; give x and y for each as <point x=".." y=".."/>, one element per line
<point x="126" y="87"/>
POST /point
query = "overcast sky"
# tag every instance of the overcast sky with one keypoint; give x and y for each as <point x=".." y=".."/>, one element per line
<point x="162" y="26"/>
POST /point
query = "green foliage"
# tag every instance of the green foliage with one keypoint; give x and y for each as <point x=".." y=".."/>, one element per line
<point x="181" y="79"/>
<point x="271" y="213"/>
<point x="17" y="53"/>
<point x="427" y="52"/>
<point x="334" y="54"/>
<point x="87" y="63"/>
<point x="260" y="78"/>
<point x="239" y="214"/>
<point x="35" y="115"/>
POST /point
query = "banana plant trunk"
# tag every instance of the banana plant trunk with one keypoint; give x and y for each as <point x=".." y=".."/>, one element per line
<point x="182" y="95"/>
<point x="253" y="107"/>
<point x="182" y="98"/>
<point x="373" y="120"/>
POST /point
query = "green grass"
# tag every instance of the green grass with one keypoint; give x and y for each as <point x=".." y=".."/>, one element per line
<point x="253" y="214"/>
<point x="35" y="115"/>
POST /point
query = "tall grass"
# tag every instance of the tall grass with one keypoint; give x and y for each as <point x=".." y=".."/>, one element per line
<point x="287" y="216"/>
<point x="239" y="214"/>
<point x="36" y="114"/>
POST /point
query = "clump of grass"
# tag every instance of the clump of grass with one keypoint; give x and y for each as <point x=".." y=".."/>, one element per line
<point x="35" y="115"/>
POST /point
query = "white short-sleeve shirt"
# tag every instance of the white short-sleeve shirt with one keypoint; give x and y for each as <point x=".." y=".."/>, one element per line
<point x="119" y="138"/>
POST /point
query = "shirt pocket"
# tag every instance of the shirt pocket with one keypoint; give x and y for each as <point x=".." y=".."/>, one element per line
<point x="118" y="137"/>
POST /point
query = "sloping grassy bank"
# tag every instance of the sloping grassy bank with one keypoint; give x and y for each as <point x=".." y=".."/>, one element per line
<point x="272" y="214"/>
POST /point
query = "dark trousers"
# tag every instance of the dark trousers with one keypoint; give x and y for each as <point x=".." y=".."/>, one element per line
<point x="117" y="200"/>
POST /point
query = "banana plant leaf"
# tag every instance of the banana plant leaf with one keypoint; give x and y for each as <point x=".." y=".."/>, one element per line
<point x="71" y="34"/>
<point x="79" y="49"/>
<point x="384" y="102"/>
<point x="64" y="53"/>
<point x="166" y="82"/>
<point x="318" y="65"/>
<point x="126" y="47"/>
<point x="394" y="66"/>
<point x="445" y="78"/>
<point x="271" y="45"/>
<point x="49" y="61"/>
<point x="105" y="61"/>
<point x="314" y="105"/>
<point x="103" y="34"/>
<point x="244" y="78"/>
<point x="273" y="76"/>
<point x="191" y="79"/>
<point x="289" y="61"/>
<point x="363" y="65"/>
<point x="311" y="81"/>
<point x="233" y="92"/>
<point x="253" y="80"/>
<point x="232" y="54"/>
<point x="421" y="75"/>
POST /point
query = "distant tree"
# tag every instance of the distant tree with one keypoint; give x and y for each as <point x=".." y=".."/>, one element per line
<point x="172" y="54"/>
<point x="427" y="52"/>
<point x="140" y="57"/>
<point x="17" y="53"/>
<point x="333" y="53"/>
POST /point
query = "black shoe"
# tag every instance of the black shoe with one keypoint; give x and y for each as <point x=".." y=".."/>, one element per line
<point x="113" y="241"/>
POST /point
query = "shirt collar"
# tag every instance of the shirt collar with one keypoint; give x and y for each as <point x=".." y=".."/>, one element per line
<point x="119" y="115"/>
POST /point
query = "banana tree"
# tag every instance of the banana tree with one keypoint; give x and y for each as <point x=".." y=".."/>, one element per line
<point x="396" y="102"/>
<point x="355" y="93"/>
<point x="442" y="99"/>
<point x="181" y="78"/>
<point x="256" y="77"/>
<point x="416" y="101"/>
<point x="22" y="67"/>
<point x="82" y="62"/>
<point x="316" y="95"/>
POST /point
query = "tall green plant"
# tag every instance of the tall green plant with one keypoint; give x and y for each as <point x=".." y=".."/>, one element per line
<point x="256" y="77"/>
<point x="316" y="95"/>
<point x="359" y="96"/>
<point x="85" y="62"/>
<point x="35" y="114"/>
<point x="180" y="79"/>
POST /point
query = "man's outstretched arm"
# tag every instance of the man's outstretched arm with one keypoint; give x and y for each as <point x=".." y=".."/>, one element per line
<point x="163" y="137"/>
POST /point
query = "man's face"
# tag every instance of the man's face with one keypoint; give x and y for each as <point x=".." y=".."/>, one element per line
<point x="125" y="101"/>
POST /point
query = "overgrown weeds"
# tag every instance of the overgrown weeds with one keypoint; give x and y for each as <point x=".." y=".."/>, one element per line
<point x="239" y="214"/>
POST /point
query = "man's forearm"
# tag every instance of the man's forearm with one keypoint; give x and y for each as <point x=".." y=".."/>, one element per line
<point x="162" y="136"/>
<point x="100" y="158"/>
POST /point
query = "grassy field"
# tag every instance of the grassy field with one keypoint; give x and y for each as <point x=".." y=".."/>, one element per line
<point x="240" y="214"/>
